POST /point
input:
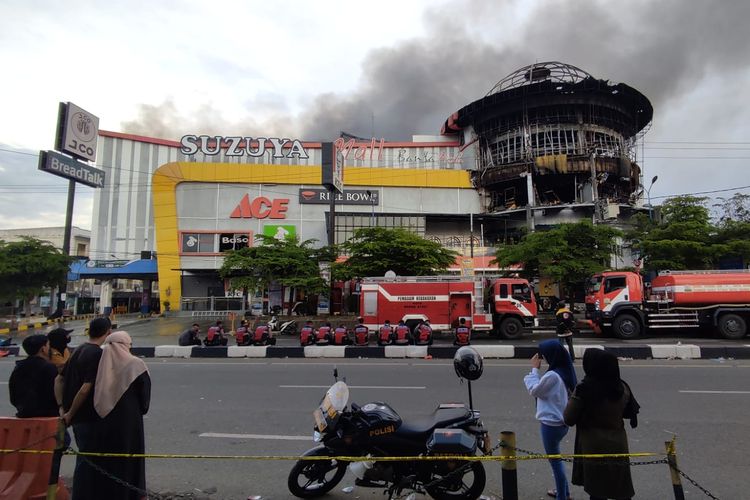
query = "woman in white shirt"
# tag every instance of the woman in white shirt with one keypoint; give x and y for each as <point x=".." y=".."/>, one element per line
<point x="551" y="391"/>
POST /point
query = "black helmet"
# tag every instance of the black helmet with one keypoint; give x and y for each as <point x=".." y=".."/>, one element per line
<point x="468" y="363"/>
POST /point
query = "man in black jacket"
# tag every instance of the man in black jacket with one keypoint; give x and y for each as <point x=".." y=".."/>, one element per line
<point x="32" y="383"/>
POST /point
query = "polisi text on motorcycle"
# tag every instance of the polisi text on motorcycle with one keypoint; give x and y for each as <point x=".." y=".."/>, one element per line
<point x="383" y="430"/>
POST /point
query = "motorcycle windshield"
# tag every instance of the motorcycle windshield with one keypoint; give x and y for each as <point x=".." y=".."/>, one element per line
<point x="327" y="414"/>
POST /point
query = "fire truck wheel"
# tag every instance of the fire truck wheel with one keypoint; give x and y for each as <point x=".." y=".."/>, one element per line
<point x="732" y="326"/>
<point x="626" y="326"/>
<point x="511" y="329"/>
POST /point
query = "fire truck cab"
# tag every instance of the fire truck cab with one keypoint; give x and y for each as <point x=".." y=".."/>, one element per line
<point x="621" y="303"/>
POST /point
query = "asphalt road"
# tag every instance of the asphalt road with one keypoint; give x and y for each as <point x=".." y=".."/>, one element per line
<point x="263" y="407"/>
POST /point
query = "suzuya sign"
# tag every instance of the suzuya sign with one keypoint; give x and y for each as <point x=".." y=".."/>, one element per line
<point x="260" y="208"/>
<point x="240" y="146"/>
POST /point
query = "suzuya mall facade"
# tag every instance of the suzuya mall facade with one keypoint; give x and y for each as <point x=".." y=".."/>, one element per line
<point x="190" y="201"/>
<point x="549" y="144"/>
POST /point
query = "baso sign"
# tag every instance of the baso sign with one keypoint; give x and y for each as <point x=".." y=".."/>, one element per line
<point x="241" y="146"/>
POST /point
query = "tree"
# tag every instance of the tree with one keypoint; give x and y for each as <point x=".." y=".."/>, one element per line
<point x="29" y="266"/>
<point x="735" y="209"/>
<point x="732" y="234"/>
<point x="682" y="240"/>
<point x="685" y="238"/>
<point x="373" y="251"/>
<point x="568" y="254"/>
<point x="288" y="262"/>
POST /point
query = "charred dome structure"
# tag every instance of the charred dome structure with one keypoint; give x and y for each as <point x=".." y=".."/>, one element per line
<point x="555" y="144"/>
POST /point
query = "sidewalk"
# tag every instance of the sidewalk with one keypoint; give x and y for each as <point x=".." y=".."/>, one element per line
<point x="646" y="351"/>
<point x="157" y="337"/>
<point x="41" y="323"/>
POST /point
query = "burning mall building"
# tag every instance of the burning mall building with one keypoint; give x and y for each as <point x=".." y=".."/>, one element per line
<point x="548" y="144"/>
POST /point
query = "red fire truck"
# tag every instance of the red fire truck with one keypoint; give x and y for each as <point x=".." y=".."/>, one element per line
<point x="502" y="306"/>
<point x="620" y="303"/>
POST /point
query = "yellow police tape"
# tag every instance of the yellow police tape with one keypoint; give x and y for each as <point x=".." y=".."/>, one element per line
<point x="498" y="458"/>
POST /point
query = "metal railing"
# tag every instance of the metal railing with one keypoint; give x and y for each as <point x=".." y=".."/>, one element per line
<point x="212" y="304"/>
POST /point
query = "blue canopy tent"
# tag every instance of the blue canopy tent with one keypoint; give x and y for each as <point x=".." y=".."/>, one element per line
<point x="139" y="269"/>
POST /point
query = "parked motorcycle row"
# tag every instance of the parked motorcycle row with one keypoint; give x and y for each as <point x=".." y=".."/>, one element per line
<point x="401" y="334"/>
<point x="375" y="430"/>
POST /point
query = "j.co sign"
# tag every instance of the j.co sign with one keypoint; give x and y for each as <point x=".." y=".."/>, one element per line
<point x="260" y="208"/>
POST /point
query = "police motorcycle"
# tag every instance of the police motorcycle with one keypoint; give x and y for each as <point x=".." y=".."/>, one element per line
<point x="285" y="328"/>
<point x="375" y="430"/>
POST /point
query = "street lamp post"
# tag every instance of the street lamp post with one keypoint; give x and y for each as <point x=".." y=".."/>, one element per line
<point x="648" y="193"/>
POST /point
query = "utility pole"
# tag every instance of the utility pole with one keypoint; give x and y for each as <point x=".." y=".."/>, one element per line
<point x="471" y="235"/>
<point x="332" y="173"/>
<point x="648" y="193"/>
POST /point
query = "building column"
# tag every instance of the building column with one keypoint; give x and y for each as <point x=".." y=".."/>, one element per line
<point x="105" y="300"/>
<point x="145" y="296"/>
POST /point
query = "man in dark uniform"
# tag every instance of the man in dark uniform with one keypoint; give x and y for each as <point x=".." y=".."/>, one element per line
<point x="32" y="383"/>
<point x="190" y="336"/>
<point x="463" y="333"/>
<point x="341" y="336"/>
<point x="74" y="392"/>
<point x="423" y="333"/>
<point x="401" y="334"/>
<point x="361" y="333"/>
<point x="385" y="334"/>
<point x="307" y="334"/>
<point x="566" y="324"/>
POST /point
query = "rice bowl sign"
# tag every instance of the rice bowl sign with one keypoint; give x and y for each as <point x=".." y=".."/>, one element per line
<point x="347" y="197"/>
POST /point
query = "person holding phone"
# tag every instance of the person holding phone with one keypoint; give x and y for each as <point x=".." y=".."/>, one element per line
<point x="551" y="391"/>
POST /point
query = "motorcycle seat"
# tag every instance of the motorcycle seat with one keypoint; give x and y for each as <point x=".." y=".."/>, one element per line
<point x="423" y="426"/>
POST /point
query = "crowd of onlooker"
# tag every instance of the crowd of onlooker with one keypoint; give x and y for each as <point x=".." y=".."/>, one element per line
<point x="101" y="391"/>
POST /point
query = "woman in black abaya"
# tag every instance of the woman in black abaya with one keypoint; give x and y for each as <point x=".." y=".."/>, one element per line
<point x="121" y="397"/>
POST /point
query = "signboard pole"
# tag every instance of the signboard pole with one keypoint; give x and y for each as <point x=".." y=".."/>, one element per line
<point x="66" y="245"/>
<point x="332" y="238"/>
<point x="332" y="165"/>
<point x="76" y="135"/>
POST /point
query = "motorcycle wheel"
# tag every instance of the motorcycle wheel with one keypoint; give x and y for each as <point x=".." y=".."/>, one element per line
<point x="290" y="330"/>
<point x="315" y="478"/>
<point x="467" y="485"/>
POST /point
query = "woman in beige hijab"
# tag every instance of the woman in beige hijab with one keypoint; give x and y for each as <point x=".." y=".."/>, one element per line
<point x="122" y="394"/>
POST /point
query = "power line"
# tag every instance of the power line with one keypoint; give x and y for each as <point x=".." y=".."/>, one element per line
<point x="739" y="188"/>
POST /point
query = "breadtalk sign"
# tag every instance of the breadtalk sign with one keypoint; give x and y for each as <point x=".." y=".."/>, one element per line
<point x="67" y="167"/>
<point x="260" y="208"/>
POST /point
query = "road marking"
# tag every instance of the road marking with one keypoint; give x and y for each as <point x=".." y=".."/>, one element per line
<point x="715" y="392"/>
<point x="337" y="363"/>
<point x="254" y="436"/>
<point x="416" y="387"/>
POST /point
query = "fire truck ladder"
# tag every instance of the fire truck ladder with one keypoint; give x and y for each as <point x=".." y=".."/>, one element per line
<point x="673" y="320"/>
<point x="666" y="317"/>
<point x="478" y="297"/>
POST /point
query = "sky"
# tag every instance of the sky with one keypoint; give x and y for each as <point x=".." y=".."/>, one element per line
<point x="393" y="69"/>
